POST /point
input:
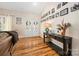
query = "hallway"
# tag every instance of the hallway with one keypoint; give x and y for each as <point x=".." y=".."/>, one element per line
<point x="57" y="21"/>
<point x="32" y="46"/>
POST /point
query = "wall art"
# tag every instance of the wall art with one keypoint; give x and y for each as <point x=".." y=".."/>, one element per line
<point x="64" y="3"/>
<point x="35" y="23"/>
<point x="53" y="10"/>
<point x="57" y="14"/>
<point x="59" y="6"/>
<point x="64" y="12"/>
<point x="50" y="17"/>
<point x="75" y="7"/>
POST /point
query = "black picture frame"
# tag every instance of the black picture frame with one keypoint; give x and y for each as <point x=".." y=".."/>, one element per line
<point x="26" y="23"/>
<point x="64" y="12"/>
<point x="75" y="7"/>
<point x="53" y="10"/>
<point x="59" y="6"/>
<point x="57" y="14"/>
<point x="64" y="3"/>
<point x="53" y="16"/>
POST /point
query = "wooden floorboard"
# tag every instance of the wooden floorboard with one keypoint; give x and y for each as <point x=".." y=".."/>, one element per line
<point x="32" y="46"/>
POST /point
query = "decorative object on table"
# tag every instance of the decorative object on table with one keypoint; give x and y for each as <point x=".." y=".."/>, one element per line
<point x="53" y="16"/>
<point x="46" y="30"/>
<point x="63" y="27"/>
<point x="48" y="27"/>
<point x="64" y="12"/>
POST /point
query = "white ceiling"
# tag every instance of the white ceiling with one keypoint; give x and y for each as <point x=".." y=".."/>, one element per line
<point x="25" y="6"/>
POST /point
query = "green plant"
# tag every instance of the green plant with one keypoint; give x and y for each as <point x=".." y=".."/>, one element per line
<point x="46" y="30"/>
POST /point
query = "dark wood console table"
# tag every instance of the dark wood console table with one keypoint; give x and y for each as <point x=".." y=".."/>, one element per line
<point x="65" y="40"/>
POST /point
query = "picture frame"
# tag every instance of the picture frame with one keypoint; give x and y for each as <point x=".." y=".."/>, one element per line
<point x="50" y="17"/>
<point x="59" y="6"/>
<point x="64" y="3"/>
<point x="53" y="16"/>
<point x="75" y="7"/>
<point x="64" y="12"/>
<point x="57" y="14"/>
<point x="53" y="10"/>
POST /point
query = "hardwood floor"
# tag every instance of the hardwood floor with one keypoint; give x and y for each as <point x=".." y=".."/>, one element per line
<point x="32" y="46"/>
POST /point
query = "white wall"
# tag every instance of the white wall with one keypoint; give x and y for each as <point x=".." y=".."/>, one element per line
<point x="73" y="31"/>
<point x="23" y="31"/>
<point x="29" y="30"/>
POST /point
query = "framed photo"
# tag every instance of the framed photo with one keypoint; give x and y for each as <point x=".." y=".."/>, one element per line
<point x="53" y="16"/>
<point x="64" y="3"/>
<point x="64" y="12"/>
<point x="35" y="23"/>
<point x="75" y="7"/>
<point x="53" y="10"/>
<point x="50" y="17"/>
<point x="59" y="6"/>
<point x="57" y="14"/>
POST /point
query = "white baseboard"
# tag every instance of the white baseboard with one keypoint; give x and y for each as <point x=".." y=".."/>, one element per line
<point x="28" y="36"/>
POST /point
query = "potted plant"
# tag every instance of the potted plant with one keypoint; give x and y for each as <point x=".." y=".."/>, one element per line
<point x="63" y="27"/>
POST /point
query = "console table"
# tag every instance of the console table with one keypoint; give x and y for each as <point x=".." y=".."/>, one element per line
<point x="65" y="40"/>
